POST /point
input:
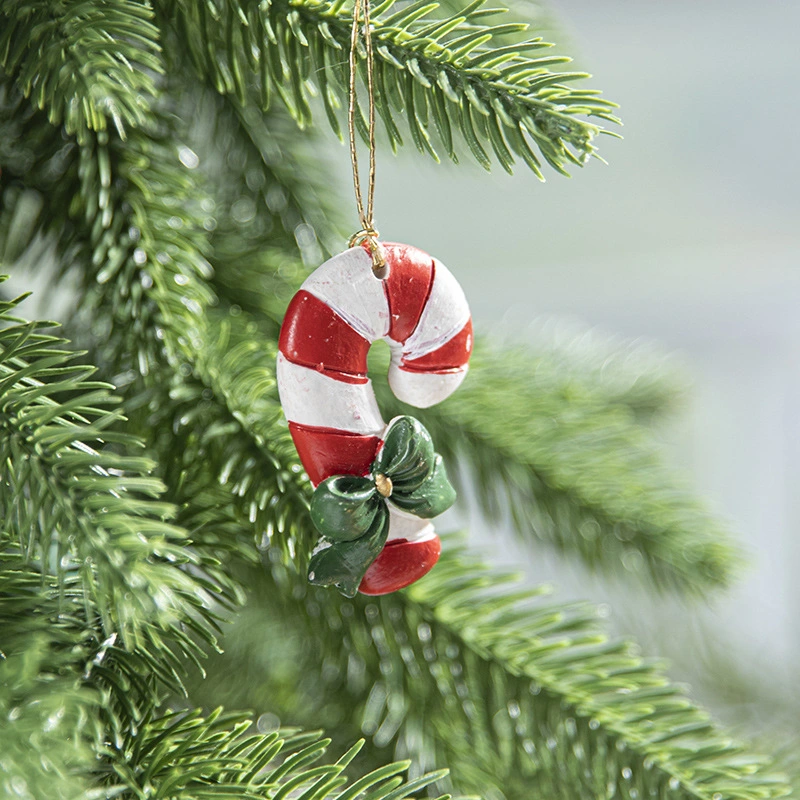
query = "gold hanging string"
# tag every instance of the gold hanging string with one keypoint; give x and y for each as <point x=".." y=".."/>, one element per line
<point x="365" y="215"/>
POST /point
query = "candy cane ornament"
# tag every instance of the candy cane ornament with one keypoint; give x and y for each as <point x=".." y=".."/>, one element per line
<point x="341" y="309"/>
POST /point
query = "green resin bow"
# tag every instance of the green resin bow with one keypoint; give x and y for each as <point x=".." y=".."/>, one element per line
<point x="351" y="511"/>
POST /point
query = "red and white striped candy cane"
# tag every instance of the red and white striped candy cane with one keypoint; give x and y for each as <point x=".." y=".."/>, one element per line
<point x="340" y="310"/>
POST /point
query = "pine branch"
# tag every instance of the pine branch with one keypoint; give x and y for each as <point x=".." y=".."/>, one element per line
<point x="444" y="74"/>
<point x="140" y="248"/>
<point x="42" y="705"/>
<point x="137" y="234"/>
<point x="138" y="324"/>
<point x="270" y="203"/>
<point x="177" y="346"/>
<point x="640" y="376"/>
<point x="521" y="697"/>
<point x="360" y="671"/>
<point x="32" y="154"/>
<point x="70" y="493"/>
<point x="86" y="63"/>
<point x="114" y="560"/>
<point x="566" y="462"/>
<point x="109" y="204"/>
<point x="230" y="425"/>
<point x="76" y="502"/>
<point x="187" y="754"/>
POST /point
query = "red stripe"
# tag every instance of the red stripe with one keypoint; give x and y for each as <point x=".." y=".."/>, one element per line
<point x="399" y="564"/>
<point x="327" y="451"/>
<point x="407" y="288"/>
<point x="452" y="355"/>
<point x="315" y="336"/>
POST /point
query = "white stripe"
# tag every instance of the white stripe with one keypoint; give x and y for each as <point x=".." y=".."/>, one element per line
<point x="312" y="398"/>
<point x="423" y="389"/>
<point x="347" y="284"/>
<point x="444" y="315"/>
<point x="403" y="525"/>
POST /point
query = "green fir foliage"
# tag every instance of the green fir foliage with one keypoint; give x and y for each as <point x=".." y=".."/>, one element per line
<point x="44" y="702"/>
<point x="112" y="567"/>
<point x="521" y="696"/>
<point x="439" y="73"/>
<point x="153" y="508"/>
<point x="87" y="64"/>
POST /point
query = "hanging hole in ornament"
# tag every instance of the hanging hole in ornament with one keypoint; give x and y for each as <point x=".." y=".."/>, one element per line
<point x="381" y="272"/>
<point x="368" y="239"/>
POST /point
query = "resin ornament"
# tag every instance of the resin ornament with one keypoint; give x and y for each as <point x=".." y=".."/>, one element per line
<point x="377" y="485"/>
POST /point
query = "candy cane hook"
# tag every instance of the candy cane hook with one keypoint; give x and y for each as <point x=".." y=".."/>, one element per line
<point x="340" y="310"/>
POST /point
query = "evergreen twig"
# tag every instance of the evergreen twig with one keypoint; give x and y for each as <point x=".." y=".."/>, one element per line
<point x="446" y="75"/>
<point x="85" y="63"/>
<point x="521" y="696"/>
<point x="42" y="702"/>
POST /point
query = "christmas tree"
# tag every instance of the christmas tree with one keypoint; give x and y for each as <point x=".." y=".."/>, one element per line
<point x="160" y="168"/>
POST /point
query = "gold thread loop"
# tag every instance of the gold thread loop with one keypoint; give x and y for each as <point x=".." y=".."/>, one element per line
<point x="365" y="215"/>
<point x="364" y="233"/>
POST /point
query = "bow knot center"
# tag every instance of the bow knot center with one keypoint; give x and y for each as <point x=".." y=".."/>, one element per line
<point x="383" y="484"/>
